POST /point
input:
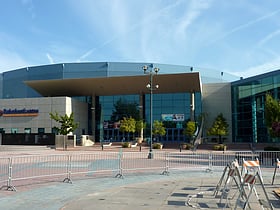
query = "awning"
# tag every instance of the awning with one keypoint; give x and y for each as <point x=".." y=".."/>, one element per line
<point x="168" y="83"/>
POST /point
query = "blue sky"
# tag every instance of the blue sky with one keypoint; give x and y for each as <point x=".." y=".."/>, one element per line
<point x="239" y="37"/>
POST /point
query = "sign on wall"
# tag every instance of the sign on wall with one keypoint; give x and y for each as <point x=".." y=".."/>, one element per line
<point x="19" y="112"/>
<point x="173" y="117"/>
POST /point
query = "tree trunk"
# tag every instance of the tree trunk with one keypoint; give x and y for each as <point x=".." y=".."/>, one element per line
<point x="220" y="139"/>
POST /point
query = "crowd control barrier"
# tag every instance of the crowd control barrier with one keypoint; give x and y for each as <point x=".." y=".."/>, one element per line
<point x="66" y="167"/>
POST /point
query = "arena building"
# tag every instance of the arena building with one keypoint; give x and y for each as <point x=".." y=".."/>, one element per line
<point x="100" y="93"/>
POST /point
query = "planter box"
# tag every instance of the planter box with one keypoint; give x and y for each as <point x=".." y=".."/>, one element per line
<point x="63" y="141"/>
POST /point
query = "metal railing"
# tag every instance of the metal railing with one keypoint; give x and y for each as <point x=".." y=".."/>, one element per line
<point x="86" y="165"/>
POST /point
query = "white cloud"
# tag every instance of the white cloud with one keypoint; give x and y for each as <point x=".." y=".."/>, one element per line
<point x="162" y="32"/>
<point x="50" y="58"/>
<point x="11" y="60"/>
<point x="139" y="30"/>
<point x="260" y="69"/>
<point x="191" y="13"/>
<point x="170" y="31"/>
<point x="59" y="52"/>
<point x="246" y="25"/>
<point x="269" y="37"/>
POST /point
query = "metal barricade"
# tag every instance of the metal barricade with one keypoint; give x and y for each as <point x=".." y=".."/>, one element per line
<point x="31" y="166"/>
<point x="5" y="171"/>
<point x="221" y="159"/>
<point x="188" y="159"/>
<point x="93" y="164"/>
<point x="139" y="162"/>
<point x="267" y="158"/>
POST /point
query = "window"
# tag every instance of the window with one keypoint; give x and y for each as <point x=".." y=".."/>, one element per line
<point x="54" y="130"/>
<point x="41" y="130"/>
<point x="27" y="130"/>
<point x="14" y="130"/>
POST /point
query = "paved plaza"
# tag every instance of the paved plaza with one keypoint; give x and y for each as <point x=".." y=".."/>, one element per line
<point x="188" y="189"/>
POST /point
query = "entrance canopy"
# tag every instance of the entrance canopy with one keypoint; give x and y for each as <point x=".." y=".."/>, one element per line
<point x="168" y="83"/>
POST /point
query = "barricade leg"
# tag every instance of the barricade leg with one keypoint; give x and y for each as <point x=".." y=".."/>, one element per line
<point x="226" y="190"/>
<point x="9" y="185"/>
<point x="267" y="203"/>
<point x="166" y="171"/>
<point x="218" y="187"/>
<point x="233" y="175"/>
<point x="251" y="181"/>
<point x="277" y="165"/>
<point x="69" y="167"/>
<point x="120" y="174"/>
<point x="274" y="174"/>
<point x="209" y="169"/>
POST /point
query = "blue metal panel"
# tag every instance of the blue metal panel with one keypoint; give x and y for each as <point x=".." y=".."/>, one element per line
<point x="45" y="72"/>
<point x="125" y="69"/>
<point x="13" y="85"/>
<point x="13" y="81"/>
<point x="85" y="70"/>
<point x="1" y="85"/>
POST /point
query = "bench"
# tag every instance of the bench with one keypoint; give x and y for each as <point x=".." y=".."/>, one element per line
<point x="134" y="145"/>
<point x="107" y="144"/>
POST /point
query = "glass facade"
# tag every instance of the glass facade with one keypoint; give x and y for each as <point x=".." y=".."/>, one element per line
<point x="163" y="104"/>
<point x="111" y="109"/>
<point x="248" y="105"/>
<point x="173" y="104"/>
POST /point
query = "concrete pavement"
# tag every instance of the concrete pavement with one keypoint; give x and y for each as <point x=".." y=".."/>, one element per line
<point x="188" y="189"/>
<point x="183" y="190"/>
<point x="179" y="190"/>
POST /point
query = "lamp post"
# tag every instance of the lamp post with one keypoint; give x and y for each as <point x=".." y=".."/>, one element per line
<point x="151" y="71"/>
<point x="93" y="121"/>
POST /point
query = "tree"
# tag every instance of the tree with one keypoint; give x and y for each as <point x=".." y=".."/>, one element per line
<point x="128" y="125"/>
<point x="122" y="109"/>
<point x="158" y="128"/>
<point x="219" y="127"/>
<point x="272" y="115"/>
<point x="67" y="124"/>
<point x="190" y="129"/>
<point x="139" y="126"/>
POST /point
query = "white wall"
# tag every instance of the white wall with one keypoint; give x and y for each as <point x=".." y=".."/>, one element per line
<point x="216" y="99"/>
<point x="62" y="105"/>
<point x="80" y="110"/>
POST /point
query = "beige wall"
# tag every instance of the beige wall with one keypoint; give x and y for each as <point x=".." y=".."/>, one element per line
<point x="62" y="105"/>
<point x="216" y="99"/>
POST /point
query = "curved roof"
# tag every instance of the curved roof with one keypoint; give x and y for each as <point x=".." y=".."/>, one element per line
<point x="117" y="85"/>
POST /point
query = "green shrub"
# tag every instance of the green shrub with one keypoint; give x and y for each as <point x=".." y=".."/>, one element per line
<point x="186" y="146"/>
<point x="219" y="147"/>
<point x="157" y="146"/>
<point x="126" y="145"/>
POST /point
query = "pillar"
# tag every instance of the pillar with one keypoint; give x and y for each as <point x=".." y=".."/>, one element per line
<point x="192" y="106"/>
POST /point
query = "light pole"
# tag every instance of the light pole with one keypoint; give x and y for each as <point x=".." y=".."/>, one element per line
<point x="151" y="71"/>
